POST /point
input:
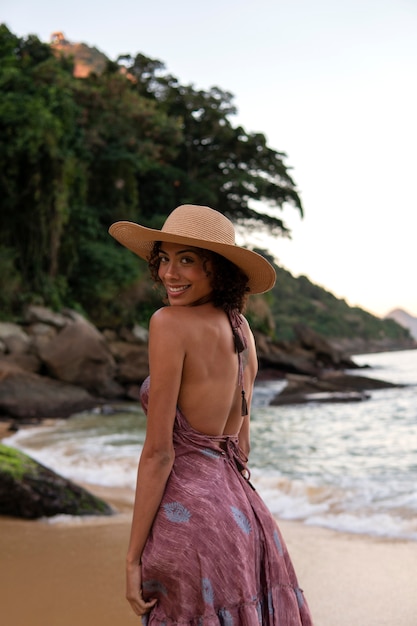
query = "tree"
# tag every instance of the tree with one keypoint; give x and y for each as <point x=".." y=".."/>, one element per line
<point x="131" y="143"/>
<point x="217" y="164"/>
<point x="71" y="154"/>
<point x="37" y="164"/>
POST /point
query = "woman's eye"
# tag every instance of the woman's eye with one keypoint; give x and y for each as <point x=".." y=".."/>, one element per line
<point x="163" y="259"/>
<point x="187" y="259"/>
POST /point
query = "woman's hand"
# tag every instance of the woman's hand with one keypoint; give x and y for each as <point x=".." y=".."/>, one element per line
<point x="134" y="590"/>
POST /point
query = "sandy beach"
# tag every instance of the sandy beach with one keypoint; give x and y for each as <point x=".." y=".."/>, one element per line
<point x="72" y="572"/>
<point x="67" y="574"/>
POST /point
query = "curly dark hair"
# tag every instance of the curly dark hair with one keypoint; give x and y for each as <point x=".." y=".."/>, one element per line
<point x="229" y="283"/>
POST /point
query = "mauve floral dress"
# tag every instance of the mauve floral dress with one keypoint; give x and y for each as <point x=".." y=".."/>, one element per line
<point x="215" y="555"/>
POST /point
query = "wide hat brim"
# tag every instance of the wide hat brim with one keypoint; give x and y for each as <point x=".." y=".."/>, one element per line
<point x="186" y="225"/>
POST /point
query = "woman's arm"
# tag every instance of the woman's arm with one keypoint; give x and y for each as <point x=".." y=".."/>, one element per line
<point x="166" y="356"/>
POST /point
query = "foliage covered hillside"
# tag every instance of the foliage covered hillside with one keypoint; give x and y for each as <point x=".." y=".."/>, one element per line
<point x="130" y="142"/>
<point x="297" y="300"/>
<point x="77" y="154"/>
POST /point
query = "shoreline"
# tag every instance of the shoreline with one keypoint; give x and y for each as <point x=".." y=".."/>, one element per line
<point x="71" y="570"/>
<point x="73" y="573"/>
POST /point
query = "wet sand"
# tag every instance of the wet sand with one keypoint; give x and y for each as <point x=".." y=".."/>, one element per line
<point x="70" y="574"/>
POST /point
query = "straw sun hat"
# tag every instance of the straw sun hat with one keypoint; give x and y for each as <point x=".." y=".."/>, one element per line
<point x="199" y="227"/>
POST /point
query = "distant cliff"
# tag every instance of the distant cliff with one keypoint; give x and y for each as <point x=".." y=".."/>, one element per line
<point x="404" y="319"/>
<point x="87" y="60"/>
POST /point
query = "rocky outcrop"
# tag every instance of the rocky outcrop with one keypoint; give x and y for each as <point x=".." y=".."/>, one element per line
<point x="79" y="355"/>
<point x="314" y="369"/>
<point x="30" y="490"/>
<point x="55" y="364"/>
<point x="329" y="387"/>
<point x="310" y="354"/>
<point x="86" y="59"/>
<point x="24" y="394"/>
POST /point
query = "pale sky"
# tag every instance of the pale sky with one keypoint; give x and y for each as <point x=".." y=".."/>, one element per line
<point x="332" y="83"/>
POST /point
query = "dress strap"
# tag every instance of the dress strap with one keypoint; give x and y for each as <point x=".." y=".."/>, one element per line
<point x="241" y="344"/>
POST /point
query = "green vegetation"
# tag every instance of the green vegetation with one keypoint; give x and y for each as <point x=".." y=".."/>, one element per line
<point x="297" y="300"/>
<point x="32" y="490"/>
<point x="15" y="463"/>
<point x="77" y="154"/>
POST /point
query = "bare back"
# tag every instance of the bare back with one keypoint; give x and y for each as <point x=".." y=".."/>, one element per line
<point x="209" y="395"/>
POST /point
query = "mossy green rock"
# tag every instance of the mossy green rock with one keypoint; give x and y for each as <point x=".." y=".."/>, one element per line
<point x="30" y="490"/>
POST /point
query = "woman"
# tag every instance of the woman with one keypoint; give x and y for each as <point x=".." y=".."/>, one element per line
<point x="203" y="549"/>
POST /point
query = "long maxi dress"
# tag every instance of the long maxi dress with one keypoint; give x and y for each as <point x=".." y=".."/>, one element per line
<point x="215" y="555"/>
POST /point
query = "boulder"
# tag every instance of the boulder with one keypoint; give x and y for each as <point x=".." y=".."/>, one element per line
<point x="132" y="361"/>
<point x="79" y="355"/>
<point x="17" y="344"/>
<point x="137" y="334"/>
<point x="30" y="490"/>
<point x="27" y="395"/>
<point x="133" y="393"/>
<point x="41" y="329"/>
<point x="14" y="338"/>
<point x="325" y="353"/>
<point x="8" y="329"/>
<point x="297" y="361"/>
<point x="310" y="354"/>
<point x="329" y="387"/>
<point x="28" y="362"/>
<point x="40" y="314"/>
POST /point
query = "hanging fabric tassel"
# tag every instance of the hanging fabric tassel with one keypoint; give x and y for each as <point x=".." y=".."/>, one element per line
<point x="240" y="342"/>
<point x="244" y="404"/>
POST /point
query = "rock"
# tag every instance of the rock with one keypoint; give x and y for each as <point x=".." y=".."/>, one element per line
<point x="325" y="354"/>
<point x="109" y="334"/>
<point x="14" y="338"/>
<point x="300" y="362"/>
<point x="24" y="394"/>
<point x="41" y="329"/>
<point x="133" y="393"/>
<point x="8" y="329"/>
<point x="40" y="334"/>
<point x="30" y="490"/>
<point x="330" y="387"/>
<point x="17" y="344"/>
<point x="340" y="380"/>
<point x="135" y="335"/>
<point x="284" y="357"/>
<point x="79" y="355"/>
<point x="27" y="362"/>
<point x="132" y="361"/>
<point x="310" y="354"/>
<point x="40" y="314"/>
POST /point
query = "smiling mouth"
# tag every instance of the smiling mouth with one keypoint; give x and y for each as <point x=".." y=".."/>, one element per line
<point x="174" y="290"/>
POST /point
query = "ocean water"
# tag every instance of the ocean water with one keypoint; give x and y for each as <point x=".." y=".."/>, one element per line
<point x="350" y="466"/>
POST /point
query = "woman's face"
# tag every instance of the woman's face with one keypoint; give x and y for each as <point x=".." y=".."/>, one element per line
<point x="184" y="273"/>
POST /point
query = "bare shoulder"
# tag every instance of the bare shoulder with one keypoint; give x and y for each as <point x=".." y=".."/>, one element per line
<point x="169" y="320"/>
<point x="170" y="315"/>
